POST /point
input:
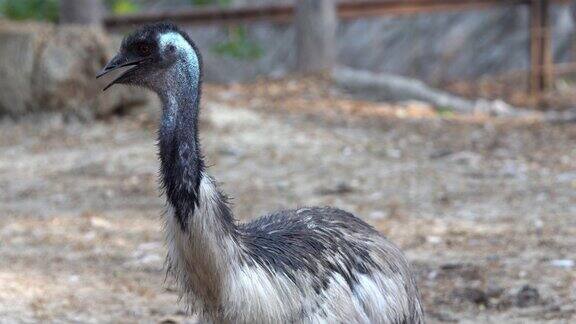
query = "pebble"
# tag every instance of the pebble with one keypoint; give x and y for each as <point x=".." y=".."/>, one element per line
<point x="566" y="177"/>
<point x="527" y="296"/>
<point x="562" y="263"/>
<point x="466" y="158"/>
<point x="150" y="259"/>
<point x="340" y="189"/>
<point x="100" y="223"/>
<point x="149" y="246"/>
<point x="474" y="295"/>
<point x="433" y="239"/>
<point x="377" y="215"/>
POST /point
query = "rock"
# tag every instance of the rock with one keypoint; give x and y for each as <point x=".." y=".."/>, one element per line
<point x="229" y="151"/>
<point x="52" y="68"/>
<point x="150" y="259"/>
<point x="20" y="43"/>
<point x="443" y="316"/>
<point x="340" y="188"/>
<point x="101" y="223"/>
<point x="566" y="177"/>
<point x="473" y="295"/>
<point x="181" y="317"/>
<point x="494" y="291"/>
<point x="377" y="215"/>
<point x="488" y="297"/>
<point x="466" y="158"/>
<point x="527" y="296"/>
<point x="145" y="256"/>
<point x="438" y="154"/>
<point x="461" y="270"/>
<point x="149" y="246"/>
<point x="432" y="239"/>
<point x="562" y="263"/>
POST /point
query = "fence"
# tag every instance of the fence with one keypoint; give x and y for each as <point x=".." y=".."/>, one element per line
<point x="541" y="64"/>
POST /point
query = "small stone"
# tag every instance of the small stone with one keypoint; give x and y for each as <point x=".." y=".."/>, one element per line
<point x="494" y="291"/>
<point x="100" y="223"/>
<point x="440" y="154"/>
<point x="151" y="259"/>
<point x="339" y="189"/>
<point x="510" y="169"/>
<point x="228" y="151"/>
<point x="474" y="295"/>
<point x="434" y="239"/>
<point x="149" y="246"/>
<point x="527" y="296"/>
<point x="394" y="153"/>
<point x="562" y="263"/>
<point x="446" y="317"/>
<point x="90" y="235"/>
<point x="568" y="177"/>
<point x="452" y="266"/>
<point x="377" y="215"/>
<point x="522" y="274"/>
<point x="466" y="158"/>
<point x="461" y="270"/>
<point x="432" y="275"/>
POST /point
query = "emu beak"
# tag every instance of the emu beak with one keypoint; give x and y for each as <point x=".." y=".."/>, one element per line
<point x="116" y="63"/>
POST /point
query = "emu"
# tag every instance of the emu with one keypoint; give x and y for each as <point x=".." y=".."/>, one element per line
<point x="307" y="265"/>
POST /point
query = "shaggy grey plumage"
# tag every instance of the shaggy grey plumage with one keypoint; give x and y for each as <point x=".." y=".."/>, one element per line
<point x="308" y="265"/>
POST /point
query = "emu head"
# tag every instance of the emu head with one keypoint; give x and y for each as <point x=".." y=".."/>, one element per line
<point x="159" y="57"/>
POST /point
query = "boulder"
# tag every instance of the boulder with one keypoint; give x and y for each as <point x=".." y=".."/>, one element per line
<point x="20" y="43"/>
<point x="52" y="68"/>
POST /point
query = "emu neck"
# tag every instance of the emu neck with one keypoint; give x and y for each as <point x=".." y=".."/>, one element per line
<point x="201" y="232"/>
<point x="181" y="160"/>
<point x="182" y="164"/>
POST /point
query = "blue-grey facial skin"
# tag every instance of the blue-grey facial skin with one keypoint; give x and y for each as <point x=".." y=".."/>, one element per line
<point x="305" y="265"/>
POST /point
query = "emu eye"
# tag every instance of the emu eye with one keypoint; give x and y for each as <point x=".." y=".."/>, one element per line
<point x="144" y="49"/>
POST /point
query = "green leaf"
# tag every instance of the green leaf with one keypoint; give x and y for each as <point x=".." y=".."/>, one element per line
<point x="446" y="112"/>
<point x="122" y="7"/>
<point x="46" y="10"/>
<point x="238" y="45"/>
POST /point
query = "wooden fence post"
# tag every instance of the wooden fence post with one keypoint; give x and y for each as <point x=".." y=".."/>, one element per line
<point x="540" y="48"/>
<point x="315" y="24"/>
<point x="85" y="12"/>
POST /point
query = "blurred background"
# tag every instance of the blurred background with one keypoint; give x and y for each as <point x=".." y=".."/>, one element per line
<point x="448" y="125"/>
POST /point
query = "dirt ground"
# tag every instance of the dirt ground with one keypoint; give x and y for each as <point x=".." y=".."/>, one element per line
<point x="485" y="209"/>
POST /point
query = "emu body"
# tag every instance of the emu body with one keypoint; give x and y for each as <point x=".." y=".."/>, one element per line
<point x="308" y="265"/>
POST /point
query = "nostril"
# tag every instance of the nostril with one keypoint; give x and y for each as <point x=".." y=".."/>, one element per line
<point x="171" y="48"/>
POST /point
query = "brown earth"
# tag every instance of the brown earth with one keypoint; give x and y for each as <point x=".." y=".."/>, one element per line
<point x="484" y="208"/>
